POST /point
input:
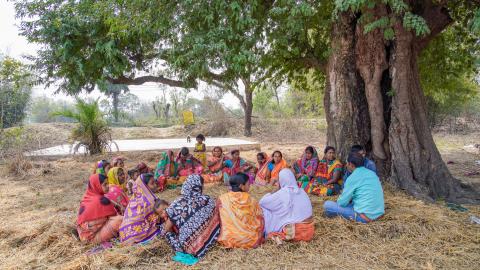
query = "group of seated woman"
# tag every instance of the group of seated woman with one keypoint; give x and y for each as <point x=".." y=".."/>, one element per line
<point x="193" y="222"/>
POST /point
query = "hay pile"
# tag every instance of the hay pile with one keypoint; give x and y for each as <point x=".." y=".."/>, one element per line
<point x="39" y="211"/>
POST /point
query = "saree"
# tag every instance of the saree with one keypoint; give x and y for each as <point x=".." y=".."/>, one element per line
<point x="307" y="168"/>
<point x="262" y="176"/>
<point x="214" y="173"/>
<point x="241" y="221"/>
<point x="140" y="220"/>
<point x="276" y="168"/>
<point x="289" y="205"/>
<point x="196" y="218"/>
<point x="234" y="167"/>
<point x="325" y="172"/>
<point x="116" y="191"/>
<point x="303" y="231"/>
<point x="93" y="215"/>
<point x="166" y="169"/>
<point x="189" y="165"/>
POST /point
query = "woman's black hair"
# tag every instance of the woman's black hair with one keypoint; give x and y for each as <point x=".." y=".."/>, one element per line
<point x="201" y="137"/>
<point x="310" y="150"/>
<point x="328" y="148"/>
<point x="132" y="172"/>
<point x="237" y="180"/>
<point x="273" y="154"/>
<point x="261" y="155"/>
<point x="234" y="151"/>
<point x="146" y="177"/>
<point x="102" y="178"/>
<point x="184" y="151"/>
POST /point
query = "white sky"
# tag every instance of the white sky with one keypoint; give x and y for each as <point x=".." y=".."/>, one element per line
<point x="14" y="45"/>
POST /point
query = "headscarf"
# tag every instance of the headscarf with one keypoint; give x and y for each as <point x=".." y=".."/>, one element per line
<point x="100" y="167"/>
<point x="139" y="221"/>
<point x="288" y="205"/>
<point x="192" y="213"/>
<point x="164" y="165"/>
<point x="91" y="207"/>
<point x="308" y="166"/>
<point x="112" y="178"/>
<point x="116" y="192"/>
<point x="143" y="168"/>
<point x="115" y="160"/>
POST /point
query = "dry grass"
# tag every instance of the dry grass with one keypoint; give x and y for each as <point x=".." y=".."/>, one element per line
<point x="39" y="212"/>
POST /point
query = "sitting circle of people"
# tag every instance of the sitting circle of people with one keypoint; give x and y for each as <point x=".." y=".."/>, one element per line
<point x="123" y="203"/>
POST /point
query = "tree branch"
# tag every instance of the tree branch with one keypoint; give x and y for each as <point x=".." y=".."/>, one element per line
<point x="312" y="62"/>
<point x="437" y="18"/>
<point x="143" y="79"/>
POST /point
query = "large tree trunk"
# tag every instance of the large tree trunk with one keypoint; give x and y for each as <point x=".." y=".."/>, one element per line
<point x="400" y="136"/>
<point x="345" y="102"/>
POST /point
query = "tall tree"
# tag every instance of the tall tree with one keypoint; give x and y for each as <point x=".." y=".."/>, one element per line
<point x="16" y="84"/>
<point x="373" y="94"/>
<point x="114" y="91"/>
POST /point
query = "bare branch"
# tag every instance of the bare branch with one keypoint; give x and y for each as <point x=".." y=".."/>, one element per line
<point x="143" y="79"/>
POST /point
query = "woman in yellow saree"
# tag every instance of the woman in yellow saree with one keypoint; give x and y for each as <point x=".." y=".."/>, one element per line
<point x="117" y="190"/>
<point x="241" y="218"/>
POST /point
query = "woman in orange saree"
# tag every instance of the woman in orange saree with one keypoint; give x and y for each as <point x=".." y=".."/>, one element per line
<point x="241" y="218"/>
<point x="275" y="166"/>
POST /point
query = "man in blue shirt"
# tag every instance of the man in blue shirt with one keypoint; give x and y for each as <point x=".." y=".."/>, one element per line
<point x="369" y="164"/>
<point x="362" y="196"/>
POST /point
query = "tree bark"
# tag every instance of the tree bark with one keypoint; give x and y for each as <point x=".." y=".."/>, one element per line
<point x="345" y="102"/>
<point x="371" y="61"/>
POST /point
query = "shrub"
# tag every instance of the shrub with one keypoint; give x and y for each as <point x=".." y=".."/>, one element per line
<point x="92" y="131"/>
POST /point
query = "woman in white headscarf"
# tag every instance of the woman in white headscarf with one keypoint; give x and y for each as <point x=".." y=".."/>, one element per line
<point x="288" y="212"/>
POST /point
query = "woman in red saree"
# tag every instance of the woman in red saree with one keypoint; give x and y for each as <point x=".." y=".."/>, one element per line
<point x="97" y="219"/>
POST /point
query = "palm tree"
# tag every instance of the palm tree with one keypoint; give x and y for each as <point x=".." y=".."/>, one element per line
<point x="92" y="131"/>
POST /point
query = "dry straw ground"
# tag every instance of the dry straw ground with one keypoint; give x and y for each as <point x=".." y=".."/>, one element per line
<point x="38" y="214"/>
